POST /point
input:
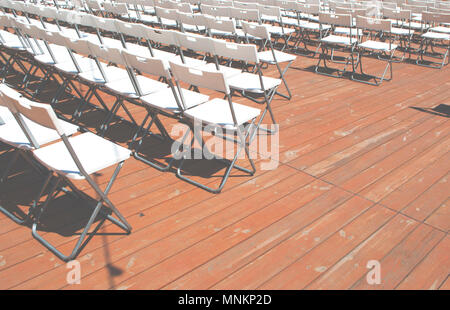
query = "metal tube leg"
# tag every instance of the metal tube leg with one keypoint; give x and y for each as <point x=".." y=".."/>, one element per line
<point x="9" y="167"/>
<point x="82" y="241"/>
<point x="32" y="207"/>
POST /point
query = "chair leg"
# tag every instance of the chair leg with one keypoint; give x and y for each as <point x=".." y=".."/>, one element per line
<point x="268" y="100"/>
<point x="377" y="79"/>
<point x="424" y="45"/>
<point x="153" y="119"/>
<point x="231" y="163"/>
<point x="82" y="240"/>
<point x="27" y="217"/>
<point x="282" y="73"/>
<point x="8" y="168"/>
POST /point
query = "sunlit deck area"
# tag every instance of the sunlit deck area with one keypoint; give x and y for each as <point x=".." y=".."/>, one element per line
<point x="357" y="175"/>
<point x="362" y="175"/>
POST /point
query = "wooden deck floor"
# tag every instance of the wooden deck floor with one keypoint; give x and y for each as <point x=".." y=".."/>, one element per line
<point x="362" y="175"/>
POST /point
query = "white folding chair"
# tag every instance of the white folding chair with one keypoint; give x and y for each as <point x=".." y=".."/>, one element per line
<point x="309" y="29"/>
<point x="164" y="102"/>
<point x="404" y="33"/>
<point x="272" y="14"/>
<point x="74" y="158"/>
<point x="270" y="56"/>
<point x="218" y="113"/>
<point x="343" y="43"/>
<point x="437" y="37"/>
<point x="250" y="85"/>
<point x="14" y="131"/>
<point x="383" y="49"/>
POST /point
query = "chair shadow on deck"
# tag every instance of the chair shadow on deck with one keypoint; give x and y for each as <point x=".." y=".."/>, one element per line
<point x="440" y="110"/>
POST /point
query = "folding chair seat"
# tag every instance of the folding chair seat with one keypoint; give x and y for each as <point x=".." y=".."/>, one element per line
<point x="384" y="50"/>
<point x="270" y="56"/>
<point x="433" y="40"/>
<point x="333" y="42"/>
<point x="75" y="158"/>
<point x="216" y="113"/>
<point x="163" y="101"/>
<point x="250" y="85"/>
<point x="12" y="134"/>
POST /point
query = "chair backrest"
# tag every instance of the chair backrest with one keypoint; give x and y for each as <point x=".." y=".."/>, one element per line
<point x="417" y="9"/>
<point x="214" y="80"/>
<point x="272" y="11"/>
<point x="106" y="24"/>
<point x="116" y="8"/>
<point x="71" y="17"/>
<point x="149" y="65"/>
<point x="182" y="7"/>
<point x="161" y="36"/>
<point x="374" y="24"/>
<point x="396" y="14"/>
<point x="353" y="12"/>
<point x="288" y="5"/>
<point x="110" y="54"/>
<point x="245" y="5"/>
<point x="312" y="9"/>
<point x="259" y="31"/>
<point x="216" y="11"/>
<point x="7" y="21"/>
<point x="342" y="20"/>
<point x="94" y="5"/>
<point x="243" y="52"/>
<point x="389" y="5"/>
<point x="439" y="10"/>
<point x="130" y="29"/>
<point x="195" y="42"/>
<point x="201" y="19"/>
<point x="79" y="46"/>
<point x="228" y="25"/>
<point x="245" y="14"/>
<point x="166" y="13"/>
<point x="162" y="4"/>
<point x="39" y="113"/>
<point x="31" y="30"/>
<point x="436" y="18"/>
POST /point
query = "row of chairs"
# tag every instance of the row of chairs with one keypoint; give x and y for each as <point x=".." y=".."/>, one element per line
<point x="267" y="55"/>
<point x="55" y="151"/>
<point x="404" y="32"/>
<point x="154" y="95"/>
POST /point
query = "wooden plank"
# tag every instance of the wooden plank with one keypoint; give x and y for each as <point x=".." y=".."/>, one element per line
<point x="429" y="201"/>
<point x="441" y="217"/>
<point x="432" y="271"/>
<point x="273" y="184"/>
<point x="251" y="262"/>
<point x="310" y="266"/>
